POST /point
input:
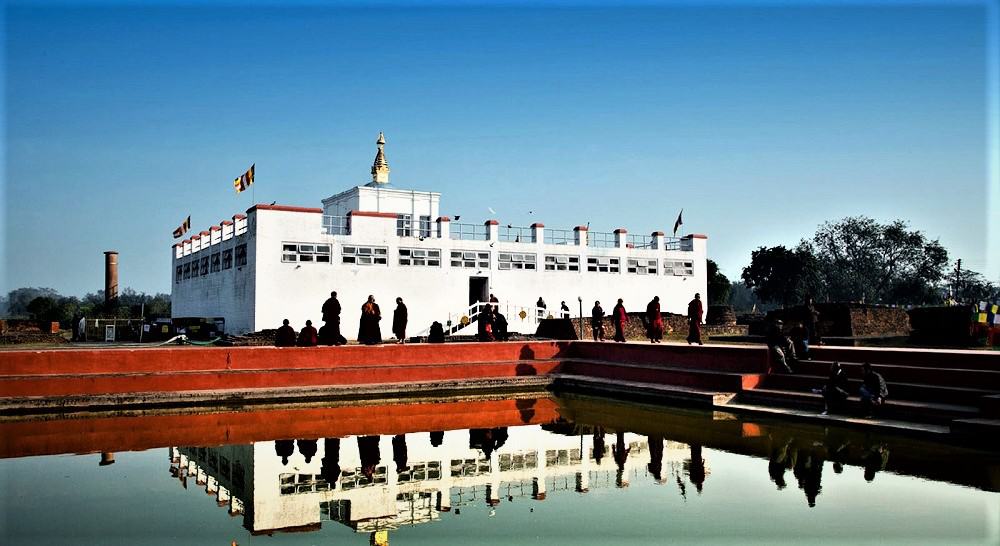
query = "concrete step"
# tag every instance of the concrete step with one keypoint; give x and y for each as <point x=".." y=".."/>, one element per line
<point x="897" y="391"/>
<point x="663" y="374"/>
<point x="721" y="358"/>
<point x="930" y="358"/>
<point x="990" y="406"/>
<point x="639" y="389"/>
<point x="275" y="378"/>
<point x="981" y="430"/>
<point x="951" y="377"/>
<point x="893" y="409"/>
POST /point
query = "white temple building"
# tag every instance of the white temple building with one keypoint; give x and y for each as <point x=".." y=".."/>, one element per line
<point x="277" y="262"/>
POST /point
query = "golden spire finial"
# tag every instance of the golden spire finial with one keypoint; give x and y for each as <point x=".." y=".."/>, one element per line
<point x="380" y="169"/>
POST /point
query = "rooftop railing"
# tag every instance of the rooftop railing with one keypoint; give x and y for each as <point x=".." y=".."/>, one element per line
<point x="600" y="239"/>
<point x="469" y="232"/>
<point x="559" y="236"/>
<point x="675" y="243"/>
<point x="641" y="241"/>
<point x="337" y="225"/>
<point x="517" y="234"/>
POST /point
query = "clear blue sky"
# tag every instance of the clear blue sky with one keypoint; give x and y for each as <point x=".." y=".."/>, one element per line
<point x="761" y="121"/>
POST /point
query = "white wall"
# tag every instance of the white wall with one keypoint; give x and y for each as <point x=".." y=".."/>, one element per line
<point x="383" y="199"/>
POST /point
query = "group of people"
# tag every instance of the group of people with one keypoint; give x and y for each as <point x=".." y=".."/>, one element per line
<point x="492" y="324"/>
<point x="369" y="331"/>
<point x="653" y="320"/>
<point x="873" y="390"/>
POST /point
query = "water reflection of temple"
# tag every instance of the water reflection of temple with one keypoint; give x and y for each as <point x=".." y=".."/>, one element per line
<point x="378" y="483"/>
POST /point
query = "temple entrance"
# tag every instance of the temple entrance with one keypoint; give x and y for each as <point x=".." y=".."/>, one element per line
<point x="479" y="290"/>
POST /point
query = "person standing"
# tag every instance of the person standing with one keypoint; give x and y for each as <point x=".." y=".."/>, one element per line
<point x="307" y="337"/>
<point x="285" y="336"/>
<point x="331" y="322"/>
<point x="399" y="318"/>
<point x="597" y="321"/>
<point x="540" y="304"/>
<point x="654" y="320"/>
<point x="695" y="311"/>
<point x="369" y="332"/>
<point x="620" y="318"/>
<point x="563" y="310"/>
<point x="82" y="333"/>
<point x="485" y="324"/>
<point x="811" y="319"/>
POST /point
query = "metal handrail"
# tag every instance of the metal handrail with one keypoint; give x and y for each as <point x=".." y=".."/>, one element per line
<point x="337" y="225"/>
<point x="598" y="239"/>
<point x="641" y="241"/>
<point x="517" y="234"/>
<point x="559" y="237"/>
<point x="469" y="232"/>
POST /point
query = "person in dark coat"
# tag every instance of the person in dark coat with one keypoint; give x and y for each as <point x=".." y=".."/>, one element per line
<point x="620" y="451"/>
<point x="597" y="321"/>
<point x="563" y="310"/>
<point x="284" y="449"/>
<point x="485" y="324"/>
<point x="369" y="332"/>
<point x="654" y="321"/>
<point x="600" y="446"/>
<point x="499" y="326"/>
<point x="836" y="390"/>
<point x="655" y="466"/>
<point x="371" y="456"/>
<point x="800" y="340"/>
<point x="330" y="332"/>
<point x="620" y="318"/>
<point x="873" y="389"/>
<point x="308" y="337"/>
<point x="285" y="336"/>
<point x="695" y="311"/>
<point x="811" y="319"/>
<point x="399" y="318"/>
<point x="307" y="448"/>
<point x="780" y="347"/>
<point x="330" y="463"/>
<point x="436" y="334"/>
<point x="399" y="452"/>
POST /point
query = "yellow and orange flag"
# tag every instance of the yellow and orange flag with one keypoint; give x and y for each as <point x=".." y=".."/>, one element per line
<point x="244" y="181"/>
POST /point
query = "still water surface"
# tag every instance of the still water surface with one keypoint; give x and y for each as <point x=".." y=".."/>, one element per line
<point x="567" y="470"/>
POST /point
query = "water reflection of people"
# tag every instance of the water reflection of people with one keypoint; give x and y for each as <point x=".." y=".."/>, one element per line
<point x="284" y="449"/>
<point x="620" y="452"/>
<point x="437" y="438"/>
<point x="655" y="466"/>
<point x="526" y="407"/>
<point x="875" y="460"/>
<point x="399" y="452"/>
<point x="696" y="467"/>
<point x="487" y="439"/>
<point x="370" y="456"/>
<point x="779" y="462"/>
<point x="307" y="448"/>
<point x="600" y="448"/>
<point x="808" y="471"/>
<point x="330" y="463"/>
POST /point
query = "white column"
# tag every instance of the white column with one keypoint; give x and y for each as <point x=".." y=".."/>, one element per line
<point x="621" y="238"/>
<point x="494" y="230"/>
<point x="443" y="225"/>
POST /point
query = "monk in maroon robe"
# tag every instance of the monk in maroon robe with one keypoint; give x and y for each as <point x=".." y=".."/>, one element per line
<point x="308" y="336"/>
<point x="619" y="317"/>
<point x="285" y="336"/>
<point x="695" y="311"/>
<point x="654" y="321"/>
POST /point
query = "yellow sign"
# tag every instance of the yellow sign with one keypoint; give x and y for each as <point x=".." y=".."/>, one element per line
<point x="464" y="320"/>
<point x="522" y="314"/>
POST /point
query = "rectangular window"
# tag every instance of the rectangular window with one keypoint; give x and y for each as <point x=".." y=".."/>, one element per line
<point x="678" y="268"/>
<point x="216" y="262"/>
<point x="179" y="274"/>
<point x="603" y="264"/>
<point x="187" y="270"/>
<point x="470" y="258"/>
<point x="559" y="262"/>
<point x="642" y="266"/>
<point x="365" y="255"/>
<point x="305" y="252"/>
<point x="241" y="255"/>
<point x="404" y="225"/>
<point x="515" y="260"/>
<point x="204" y="265"/>
<point x="425" y="226"/>
<point x="227" y="259"/>
<point x="420" y="257"/>
<point x="194" y="268"/>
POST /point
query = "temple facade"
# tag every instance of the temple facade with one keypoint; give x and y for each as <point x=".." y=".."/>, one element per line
<point x="278" y="261"/>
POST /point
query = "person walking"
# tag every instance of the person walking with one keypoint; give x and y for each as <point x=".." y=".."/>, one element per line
<point x="399" y="318"/>
<point x="597" y="321"/>
<point x="695" y="311"/>
<point x="369" y="332"/>
<point x="620" y="318"/>
<point x="308" y="336"/>
<point x="654" y="321"/>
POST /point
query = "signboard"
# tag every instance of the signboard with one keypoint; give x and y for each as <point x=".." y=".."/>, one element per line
<point x="109" y="332"/>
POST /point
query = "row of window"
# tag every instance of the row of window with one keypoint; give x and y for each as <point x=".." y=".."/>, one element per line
<point x="476" y="259"/>
<point x="405" y="227"/>
<point x="212" y="263"/>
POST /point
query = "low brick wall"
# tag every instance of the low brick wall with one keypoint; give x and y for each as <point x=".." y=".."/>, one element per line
<point x="843" y="320"/>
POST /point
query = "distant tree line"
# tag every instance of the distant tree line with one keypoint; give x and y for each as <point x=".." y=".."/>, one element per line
<point x="857" y="259"/>
<point x="46" y="304"/>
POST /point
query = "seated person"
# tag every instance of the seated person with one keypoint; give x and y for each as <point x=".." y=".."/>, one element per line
<point x="780" y="347"/>
<point x="836" y="389"/>
<point x="436" y="334"/>
<point x="285" y="336"/>
<point x="873" y="389"/>
<point x="800" y="340"/>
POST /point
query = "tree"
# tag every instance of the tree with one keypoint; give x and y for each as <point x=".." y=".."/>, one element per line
<point x="969" y="286"/>
<point x="718" y="285"/>
<point x="863" y="260"/>
<point x="781" y="275"/>
<point x="18" y="299"/>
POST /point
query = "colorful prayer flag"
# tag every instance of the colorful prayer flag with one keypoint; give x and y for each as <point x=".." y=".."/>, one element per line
<point x="182" y="229"/>
<point x="245" y="180"/>
<point x="679" y="222"/>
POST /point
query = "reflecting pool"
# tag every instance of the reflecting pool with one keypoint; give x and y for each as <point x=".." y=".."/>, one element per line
<point x="536" y="470"/>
